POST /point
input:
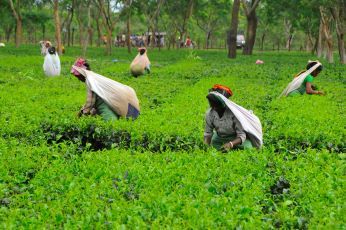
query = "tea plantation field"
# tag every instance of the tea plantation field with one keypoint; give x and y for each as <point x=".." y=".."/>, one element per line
<point x="61" y="172"/>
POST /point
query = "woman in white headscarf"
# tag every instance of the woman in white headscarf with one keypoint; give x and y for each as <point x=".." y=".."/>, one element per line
<point x="51" y="65"/>
<point x="302" y="83"/>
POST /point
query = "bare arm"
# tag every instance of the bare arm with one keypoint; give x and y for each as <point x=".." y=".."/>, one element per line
<point x="207" y="140"/>
<point x="208" y="130"/>
<point x="309" y="89"/>
<point x="232" y="144"/>
<point x="241" y="135"/>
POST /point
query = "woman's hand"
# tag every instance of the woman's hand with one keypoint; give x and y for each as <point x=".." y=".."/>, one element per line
<point x="228" y="146"/>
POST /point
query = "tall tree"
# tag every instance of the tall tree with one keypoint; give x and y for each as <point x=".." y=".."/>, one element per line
<point x="16" y="7"/>
<point x="338" y="12"/>
<point x="109" y="21"/>
<point x="209" y="15"/>
<point x="326" y="32"/>
<point x="57" y="25"/>
<point x="179" y="15"/>
<point x="66" y="25"/>
<point x="83" y="13"/>
<point x="251" y="17"/>
<point x="151" y="10"/>
<point x="8" y="22"/>
<point x="232" y="38"/>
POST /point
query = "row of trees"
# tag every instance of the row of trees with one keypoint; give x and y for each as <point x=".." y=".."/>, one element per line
<point x="313" y="25"/>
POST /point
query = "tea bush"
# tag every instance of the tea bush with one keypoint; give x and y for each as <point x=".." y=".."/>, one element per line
<point x="59" y="171"/>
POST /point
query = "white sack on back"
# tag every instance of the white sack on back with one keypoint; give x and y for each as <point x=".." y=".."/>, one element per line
<point x="115" y="94"/>
<point x="139" y="63"/>
<point x="297" y="81"/>
<point x="249" y="121"/>
<point x="51" y="65"/>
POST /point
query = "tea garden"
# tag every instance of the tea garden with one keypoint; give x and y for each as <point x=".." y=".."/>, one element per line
<point x="58" y="171"/>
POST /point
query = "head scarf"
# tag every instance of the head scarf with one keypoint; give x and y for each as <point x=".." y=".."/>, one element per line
<point x="313" y="66"/>
<point x="222" y="89"/>
<point x="80" y="62"/>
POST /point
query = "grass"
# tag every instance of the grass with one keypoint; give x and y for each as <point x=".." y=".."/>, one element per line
<point x="59" y="171"/>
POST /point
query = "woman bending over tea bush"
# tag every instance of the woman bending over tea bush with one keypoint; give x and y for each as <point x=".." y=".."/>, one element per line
<point x="105" y="97"/>
<point x="228" y="125"/>
<point x="302" y="82"/>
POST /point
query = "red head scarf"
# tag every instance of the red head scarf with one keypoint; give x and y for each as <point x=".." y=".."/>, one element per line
<point x="224" y="90"/>
<point x="80" y="62"/>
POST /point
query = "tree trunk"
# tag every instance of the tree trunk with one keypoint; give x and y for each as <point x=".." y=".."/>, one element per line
<point x="250" y="33"/>
<point x="8" y="32"/>
<point x="98" y="28"/>
<point x="262" y="41"/>
<point x="320" y="40"/>
<point x="106" y="16"/>
<point x="19" y="22"/>
<point x="57" y="26"/>
<point x="251" y="17"/>
<point x="43" y="32"/>
<point x="309" y="43"/>
<point x="207" y="40"/>
<point x="86" y="39"/>
<point x="68" y="25"/>
<point x="128" y="29"/>
<point x="289" y="42"/>
<point x="327" y="34"/>
<point x="339" y="32"/>
<point x="232" y="36"/>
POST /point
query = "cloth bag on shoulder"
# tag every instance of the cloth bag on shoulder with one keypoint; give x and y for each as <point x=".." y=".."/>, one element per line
<point x="298" y="81"/>
<point x="118" y="96"/>
<point x="248" y="120"/>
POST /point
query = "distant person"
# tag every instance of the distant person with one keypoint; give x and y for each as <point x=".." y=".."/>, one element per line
<point x="188" y="42"/>
<point x="2" y="44"/>
<point x="228" y="125"/>
<point x="141" y="63"/>
<point x="302" y="82"/>
<point x="105" y="97"/>
<point x="45" y="46"/>
<point x="162" y="41"/>
<point x="104" y="39"/>
<point x="51" y="64"/>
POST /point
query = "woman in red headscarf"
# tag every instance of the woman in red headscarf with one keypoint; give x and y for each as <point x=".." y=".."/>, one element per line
<point x="105" y="97"/>
<point x="228" y="125"/>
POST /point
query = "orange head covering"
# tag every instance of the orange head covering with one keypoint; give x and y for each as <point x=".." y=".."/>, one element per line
<point x="222" y="89"/>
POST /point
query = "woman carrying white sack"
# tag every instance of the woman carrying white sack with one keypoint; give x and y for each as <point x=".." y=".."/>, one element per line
<point x="141" y="63"/>
<point x="302" y="82"/>
<point x="51" y="65"/>
<point x="228" y="125"/>
<point x="105" y="97"/>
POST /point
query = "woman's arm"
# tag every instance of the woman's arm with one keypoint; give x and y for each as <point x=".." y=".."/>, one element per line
<point x="90" y="102"/>
<point x="309" y="89"/>
<point x="208" y="130"/>
<point x="207" y="140"/>
<point x="241" y="135"/>
<point x="232" y="144"/>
